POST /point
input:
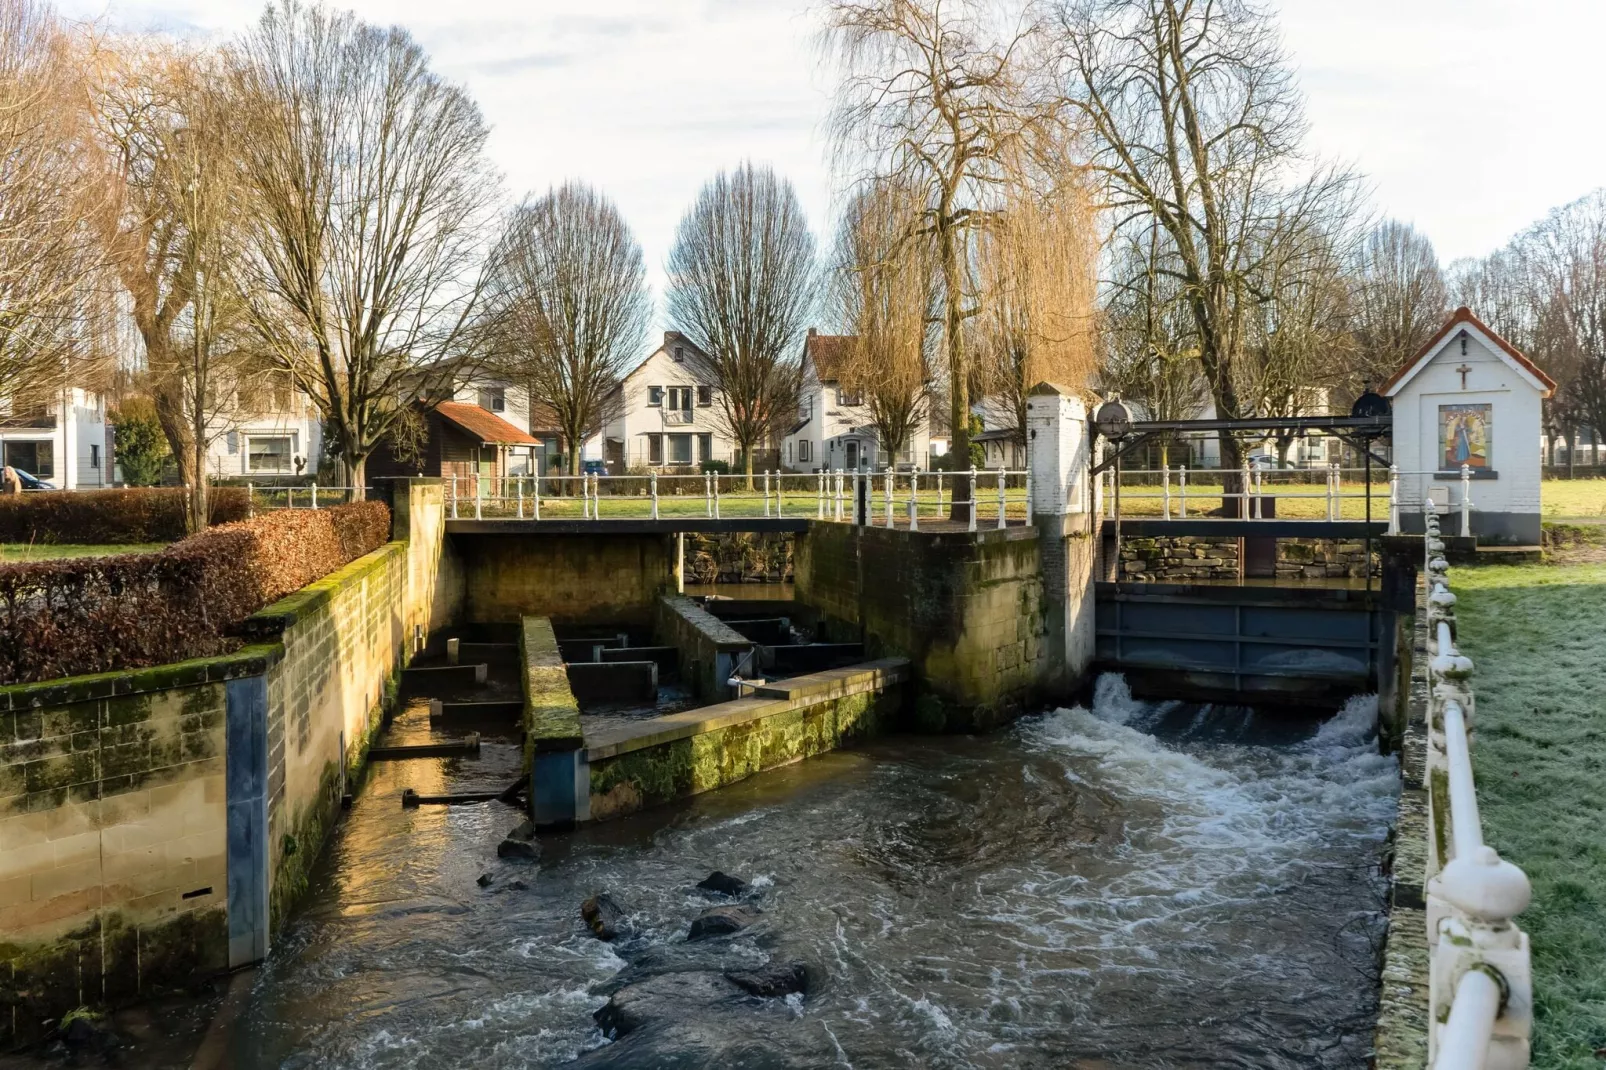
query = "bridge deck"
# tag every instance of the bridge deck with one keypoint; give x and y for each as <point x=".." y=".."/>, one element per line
<point x="1233" y="527"/>
<point x="629" y="526"/>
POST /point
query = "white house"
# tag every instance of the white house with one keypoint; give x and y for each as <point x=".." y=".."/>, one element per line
<point x="664" y="413"/>
<point x="1469" y="399"/>
<point x="834" y="428"/>
<point x="273" y="431"/>
<point x="66" y="442"/>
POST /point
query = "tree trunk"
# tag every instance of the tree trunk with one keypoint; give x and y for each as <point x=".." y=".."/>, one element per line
<point x="356" y="476"/>
<point x="176" y="429"/>
<point x="1232" y="482"/>
<point x="958" y="377"/>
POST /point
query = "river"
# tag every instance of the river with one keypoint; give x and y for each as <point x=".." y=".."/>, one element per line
<point x="1136" y="885"/>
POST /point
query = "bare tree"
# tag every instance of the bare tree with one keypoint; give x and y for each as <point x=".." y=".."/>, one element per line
<point x="571" y="307"/>
<point x="1197" y="125"/>
<point x="935" y="93"/>
<point x="1399" y="299"/>
<point x="371" y="196"/>
<point x="885" y="292"/>
<point x="1037" y="321"/>
<point x="51" y="186"/>
<point x="167" y="123"/>
<point x="741" y="287"/>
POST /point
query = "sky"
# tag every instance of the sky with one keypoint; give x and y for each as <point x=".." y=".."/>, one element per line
<point x="1469" y="118"/>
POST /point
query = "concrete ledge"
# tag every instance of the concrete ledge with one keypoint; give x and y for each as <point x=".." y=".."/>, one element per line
<point x="710" y="649"/>
<point x="551" y="714"/>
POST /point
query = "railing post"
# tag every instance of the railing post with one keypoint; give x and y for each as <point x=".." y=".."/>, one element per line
<point x="819" y="495"/>
<point x="942" y="506"/>
<point x="780" y="482"/>
<point x="518" y="491"/>
<point x="315" y="494"/>
<point x="250" y="501"/>
<point x="1246" y="485"/>
<point x="1028" y="483"/>
<point x="479" y="494"/>
<point x="975" y="496"/>
<point x="766" y="494"/>
<point x="453" y="488"/>
<point x="888" y="496"/>
<point x="535" y="495"/>
<point x="837" y="485"/>
<point x="596" y="496"/>
<point x="1466" y="501"/>
<point x="652" y="483"/>
<point x="1182" y="490"/>
<point x="1394" y="499"/>
<point x="914" y="491"/>
<point x="1165" y="492"/>
<point x="716" y="495"/>
<point x="708" y="492"/>
<point x="1001" y="503"/>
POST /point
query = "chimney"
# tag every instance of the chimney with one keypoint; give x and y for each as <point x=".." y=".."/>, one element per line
<point x="813" y="332"/>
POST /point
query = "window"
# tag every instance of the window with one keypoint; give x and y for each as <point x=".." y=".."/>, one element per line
<point x="94" y="455"/>
<point x="36" y="458"/>
<point x="655" y="449"/>
<point x="848" y="397"/>
<point x="680" y="354"/>
<point x="788" y="451"/>
<point x="680" y="398"/>
<point x="680" y="449"/>
<point x="655" y="395"/>
<point x="705" y="395"/>
<point x="705" y="447"/>
<point x="803" y="450"/>
<point x="494" y="399"/>
<point x="268" y="453"/>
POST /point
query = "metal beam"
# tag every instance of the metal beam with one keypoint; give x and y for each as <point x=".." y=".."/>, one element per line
<point x="628" y="526"/>
<point x="1335" y="424"/>
<point x="1234" y="527"/>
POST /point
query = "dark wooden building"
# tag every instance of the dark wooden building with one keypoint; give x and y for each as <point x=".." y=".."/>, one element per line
<point x="464" y="443"/>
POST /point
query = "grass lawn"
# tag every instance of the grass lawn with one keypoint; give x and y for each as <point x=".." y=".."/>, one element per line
<point x="41" y="551"/>
<point x="1573" y="499"/>
<point x="1537" y="636"/>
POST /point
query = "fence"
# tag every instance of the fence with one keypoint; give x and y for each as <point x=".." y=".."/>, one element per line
<point x="892" y="499"/>
<point x="1328" y="493"/>
<point x="286" y="497"/>
<point x="1479" y="980"/>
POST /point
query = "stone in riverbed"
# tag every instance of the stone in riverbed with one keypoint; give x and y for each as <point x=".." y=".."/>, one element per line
<point x="721" y="921"/>
<point x="667" y="997"/>
<point x="723" y="884"/>
<point x="772" y="980"/>
<point x="484" y="880"/>
<point x="603" y="916"/>
<point x="520" y="843"/>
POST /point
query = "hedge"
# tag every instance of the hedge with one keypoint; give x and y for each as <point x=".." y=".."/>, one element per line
<point x="83" y="615"/>
<point x="131" y="514"/>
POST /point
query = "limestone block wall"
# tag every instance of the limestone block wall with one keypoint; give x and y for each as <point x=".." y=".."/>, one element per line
<point x="572" y="579"/>
<point x="967" y="609"/>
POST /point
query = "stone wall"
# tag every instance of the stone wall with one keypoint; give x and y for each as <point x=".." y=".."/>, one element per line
<point x="739" y="557"/>
<point x="967" y="609"/>
<point x="1184" y="558"/>
<point x="572" y="579"/>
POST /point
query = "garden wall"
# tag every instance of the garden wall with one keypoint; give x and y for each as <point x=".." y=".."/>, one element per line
<point x="155" y="825"/>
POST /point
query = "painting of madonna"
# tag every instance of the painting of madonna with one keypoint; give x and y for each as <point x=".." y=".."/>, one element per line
<point x="1464" y="433"/>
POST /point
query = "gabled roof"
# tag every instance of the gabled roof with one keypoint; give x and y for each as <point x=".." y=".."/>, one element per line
<point x="695" y="356"/>
<point x="1463" y="318"/>
<point x="483" y="424"/>
<point x="828" y="353"/>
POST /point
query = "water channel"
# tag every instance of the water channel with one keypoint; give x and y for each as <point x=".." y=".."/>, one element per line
<point x="1135" y="885"/>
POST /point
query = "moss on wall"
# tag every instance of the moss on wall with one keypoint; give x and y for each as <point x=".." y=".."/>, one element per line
<point x="551" y="714"/>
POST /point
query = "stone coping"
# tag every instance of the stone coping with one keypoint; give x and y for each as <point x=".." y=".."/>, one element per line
<point x="265" y="627"/>
<point x="551" y="713"/>
<point x="712" y="628"/>
<point x="766" y="700"/>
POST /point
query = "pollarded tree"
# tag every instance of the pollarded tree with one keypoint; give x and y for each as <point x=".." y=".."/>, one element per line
<point x="371" y="199"/>
<point x="884" y="290"/>
<point x="570" y="307"/>
<point x="742" y="288"/>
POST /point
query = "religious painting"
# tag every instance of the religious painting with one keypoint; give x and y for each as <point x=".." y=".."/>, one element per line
<point x="1464" y="435"/>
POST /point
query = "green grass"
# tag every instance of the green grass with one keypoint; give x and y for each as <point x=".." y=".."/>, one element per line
<point x="43" y="551"/>
<point x="1537" y="636"/>
<point x="1573" y="499"/>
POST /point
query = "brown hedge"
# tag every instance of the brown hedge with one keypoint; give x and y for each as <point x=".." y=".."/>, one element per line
<point x="129" y="514"/>
<point x="99" y="614"/>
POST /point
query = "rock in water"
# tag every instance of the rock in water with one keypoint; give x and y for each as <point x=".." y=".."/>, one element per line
<point x="772" y="980"/>
<point x="666" y="998"/>
<point x="721" y="921"/>
<point x="484" y="880"/>
<point x="723" y="884"/>
<point x="603" y="916"/>
<point x="520" y="843"/>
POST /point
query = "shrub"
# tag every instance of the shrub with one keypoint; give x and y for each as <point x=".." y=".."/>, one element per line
<point x="130" y="514"/>
<point x="99" y="614"/>
<point x="718" y="468"/>
<point x="142" y="449"/>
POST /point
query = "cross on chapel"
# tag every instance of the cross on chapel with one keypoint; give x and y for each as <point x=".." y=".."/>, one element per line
<point x="1463" y="370"/>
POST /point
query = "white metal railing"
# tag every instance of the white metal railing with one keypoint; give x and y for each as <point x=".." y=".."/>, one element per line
<point x="1479" y="977"/>
<point x="1178" y="488"/>
<point x="312" y="496"/>
<point x="891" y="498"/>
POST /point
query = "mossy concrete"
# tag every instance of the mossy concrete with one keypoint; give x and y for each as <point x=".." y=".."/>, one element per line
<point x="967" y="609"/>
<point x="571" y="579"/>
<point x="680" y="755"/>
<point x="551" y="713"/>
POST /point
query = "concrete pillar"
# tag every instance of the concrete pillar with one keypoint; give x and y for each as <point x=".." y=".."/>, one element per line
<point x="1057" y="454"/>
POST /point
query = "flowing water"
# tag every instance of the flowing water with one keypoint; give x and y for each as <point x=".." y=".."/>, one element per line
<point x="1138" y="885"/>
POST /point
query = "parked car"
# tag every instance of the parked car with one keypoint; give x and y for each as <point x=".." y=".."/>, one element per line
<point x="33" y="482"/>
<point x="594" y="468"/>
